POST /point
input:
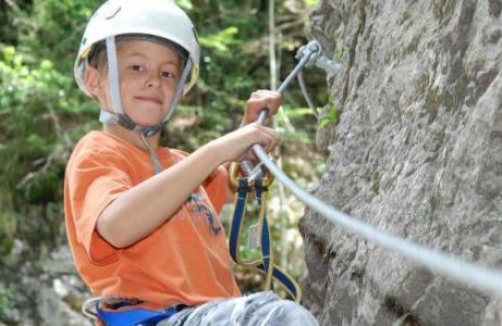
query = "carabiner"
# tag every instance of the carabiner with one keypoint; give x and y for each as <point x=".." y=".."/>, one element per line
<point x="235" y="173"/>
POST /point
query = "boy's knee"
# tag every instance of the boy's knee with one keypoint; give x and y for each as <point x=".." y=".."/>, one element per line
<point x="284" y="312"/>
<point x="296" y="314"/>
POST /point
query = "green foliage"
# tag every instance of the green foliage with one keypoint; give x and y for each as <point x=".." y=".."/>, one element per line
<point x="222" y="41"/>
<point x="338" y="56"/>
<point x="34" y="143"/>
<point x="52" y="29"/>
<point x="6" y="296"/>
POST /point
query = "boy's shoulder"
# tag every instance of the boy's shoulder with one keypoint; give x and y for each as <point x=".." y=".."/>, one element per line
<point x="100" y="145"/>
<point x="100" y="141"/>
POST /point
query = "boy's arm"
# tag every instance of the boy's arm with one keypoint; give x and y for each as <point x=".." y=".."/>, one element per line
<point x="140" y="210"/>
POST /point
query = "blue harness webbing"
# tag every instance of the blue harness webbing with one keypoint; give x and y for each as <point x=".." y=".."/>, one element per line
<point x="133" y="316"/>
<point x="266" y="264"/>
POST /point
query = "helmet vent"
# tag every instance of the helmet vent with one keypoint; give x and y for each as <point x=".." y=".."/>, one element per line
<point x="112" y="11"/>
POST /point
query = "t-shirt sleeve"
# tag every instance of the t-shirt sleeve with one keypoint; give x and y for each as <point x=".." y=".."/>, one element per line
<point x="95" y="180"/>
<point x="216" y="186"/>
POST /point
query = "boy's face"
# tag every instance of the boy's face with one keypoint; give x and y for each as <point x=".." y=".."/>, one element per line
<point x="148" y="73"/>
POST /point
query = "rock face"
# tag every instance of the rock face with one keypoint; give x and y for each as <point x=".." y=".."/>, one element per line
<point x="46" y="294"/>
<point x="417" y="153"/>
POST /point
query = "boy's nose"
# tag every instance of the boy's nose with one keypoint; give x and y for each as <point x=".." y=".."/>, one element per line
<point x="154" y="80"/>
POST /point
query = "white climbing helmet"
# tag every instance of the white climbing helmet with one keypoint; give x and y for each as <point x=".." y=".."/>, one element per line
<point x="158" y="18"/>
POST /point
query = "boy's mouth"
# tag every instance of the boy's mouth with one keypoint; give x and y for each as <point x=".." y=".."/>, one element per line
<point x="151" y="99"/>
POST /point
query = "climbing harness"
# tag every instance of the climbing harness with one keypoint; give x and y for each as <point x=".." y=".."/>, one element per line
<point x="266" y="263"/>
<point x="122" y="312"/>
<point x="246" y="179"/>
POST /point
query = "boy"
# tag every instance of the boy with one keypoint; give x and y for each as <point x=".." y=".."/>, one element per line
<point x="142" y="219"/>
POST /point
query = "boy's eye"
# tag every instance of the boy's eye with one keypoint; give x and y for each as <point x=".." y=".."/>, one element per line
<point x="167" y="74"/>
<point x="136" y="68"/>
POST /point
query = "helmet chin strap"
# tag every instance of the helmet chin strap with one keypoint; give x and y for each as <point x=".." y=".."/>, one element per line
<point x="119" y="116"/>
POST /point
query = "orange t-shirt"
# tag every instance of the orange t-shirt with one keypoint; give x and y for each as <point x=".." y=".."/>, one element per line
<point x="186" y="260"/>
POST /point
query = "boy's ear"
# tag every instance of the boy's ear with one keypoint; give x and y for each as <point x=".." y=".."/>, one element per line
<point x="93" y="81"/>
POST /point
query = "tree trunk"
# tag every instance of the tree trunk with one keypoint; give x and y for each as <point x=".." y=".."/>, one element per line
<point x="417" y="153"/>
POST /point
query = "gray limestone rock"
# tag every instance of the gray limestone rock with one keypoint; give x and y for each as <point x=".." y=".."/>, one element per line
<point x="417" y="153"/>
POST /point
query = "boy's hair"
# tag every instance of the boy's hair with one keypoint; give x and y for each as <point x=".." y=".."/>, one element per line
<point x="97" y="56"/>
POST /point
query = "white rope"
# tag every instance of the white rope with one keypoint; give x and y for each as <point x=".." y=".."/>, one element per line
<point x="482" y="278"/>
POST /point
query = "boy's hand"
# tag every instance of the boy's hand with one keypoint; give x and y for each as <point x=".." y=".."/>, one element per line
<point x="235" y="146"/>
<point x="259" y="100"/>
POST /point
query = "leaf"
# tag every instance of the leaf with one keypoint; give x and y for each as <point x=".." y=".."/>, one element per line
<point x="329" y="117"/>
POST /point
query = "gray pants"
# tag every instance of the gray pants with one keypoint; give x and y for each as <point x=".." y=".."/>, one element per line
<point x="258" y="309"/>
